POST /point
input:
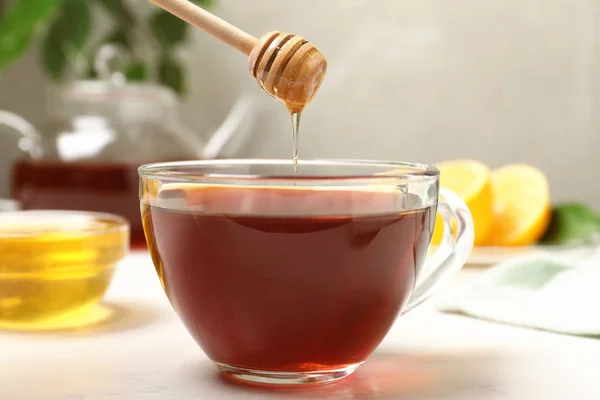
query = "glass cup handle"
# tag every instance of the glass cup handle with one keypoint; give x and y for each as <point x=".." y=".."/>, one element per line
<point x="453" y="251"/>
<point x="30" y="141"/>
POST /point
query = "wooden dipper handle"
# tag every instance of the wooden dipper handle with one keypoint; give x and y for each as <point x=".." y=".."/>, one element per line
<point x="209" y="23"/>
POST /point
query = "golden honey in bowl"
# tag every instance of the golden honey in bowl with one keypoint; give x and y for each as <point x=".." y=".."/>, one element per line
<point x="55" y="264"/>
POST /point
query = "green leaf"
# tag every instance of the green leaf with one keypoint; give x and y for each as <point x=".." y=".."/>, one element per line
<point x="572" y="223"/>
<point x="90" y="72"/>
<point x="14" y="49"/>
<point x="114" y="6"/>
<point x="18" y="26"/>
<point x="168" y="30"/>
<point x="67" y="37"/>
<point x="25" y="15"/>
<point x="54" y="55"/>
<point x="171" y="74"/>
<point x="77" y="20"/>
<point x="137" y="71"/>
<point x="119" y="9"/>
<point x="204" y="3"/>
<point x="118" y="37"/>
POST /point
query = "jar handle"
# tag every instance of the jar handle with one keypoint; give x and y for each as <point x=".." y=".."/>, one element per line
<point x="453" y="252"/>
<point x="30" y="139"/>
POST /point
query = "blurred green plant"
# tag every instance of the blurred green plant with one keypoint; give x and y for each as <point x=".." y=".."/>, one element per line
<point x="68" y="49"/>
<point x="573" y="223"/>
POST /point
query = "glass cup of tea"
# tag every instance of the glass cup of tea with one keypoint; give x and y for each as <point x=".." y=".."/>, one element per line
<point x="289" y="278"/>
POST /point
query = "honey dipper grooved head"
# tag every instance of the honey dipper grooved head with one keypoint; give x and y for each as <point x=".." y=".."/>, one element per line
<point x="288" y="67"/>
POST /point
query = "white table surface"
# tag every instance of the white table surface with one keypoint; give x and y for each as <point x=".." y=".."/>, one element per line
<point x="144" y="352"/>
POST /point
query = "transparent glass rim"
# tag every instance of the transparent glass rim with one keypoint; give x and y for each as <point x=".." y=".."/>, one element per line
<point x="24" y="217"/>
<point x="390" y="171"/>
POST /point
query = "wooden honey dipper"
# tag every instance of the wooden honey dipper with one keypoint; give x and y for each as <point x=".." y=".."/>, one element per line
<point x="285" y="65"/>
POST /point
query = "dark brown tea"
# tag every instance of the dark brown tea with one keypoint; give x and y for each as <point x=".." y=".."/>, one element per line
<point x="55" y="185"/>
<point x="286" y="279"/>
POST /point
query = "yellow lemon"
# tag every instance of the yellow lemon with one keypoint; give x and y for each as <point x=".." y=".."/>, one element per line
<point x="470" y="180"/>
<point x="521" y="205"/>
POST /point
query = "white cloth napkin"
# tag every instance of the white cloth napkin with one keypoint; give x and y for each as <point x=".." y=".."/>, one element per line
<point x="559" y="294"/>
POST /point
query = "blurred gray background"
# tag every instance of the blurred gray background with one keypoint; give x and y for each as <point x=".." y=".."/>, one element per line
<point x="428" y="80"/>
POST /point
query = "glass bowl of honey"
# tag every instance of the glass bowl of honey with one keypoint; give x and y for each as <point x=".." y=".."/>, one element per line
<point x="56" y="264"/>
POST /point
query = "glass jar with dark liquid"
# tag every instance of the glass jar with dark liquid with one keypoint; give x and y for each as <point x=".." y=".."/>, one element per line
<point x="97" y="134"/>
